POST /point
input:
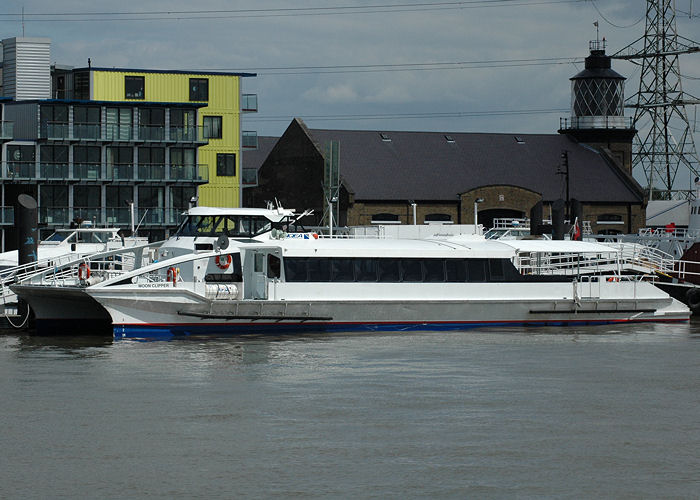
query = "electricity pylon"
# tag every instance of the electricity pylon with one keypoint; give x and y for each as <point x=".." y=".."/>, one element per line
<point x="664" y="144"/>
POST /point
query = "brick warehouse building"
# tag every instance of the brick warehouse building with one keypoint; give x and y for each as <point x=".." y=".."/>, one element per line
<point x="384" y="175"/>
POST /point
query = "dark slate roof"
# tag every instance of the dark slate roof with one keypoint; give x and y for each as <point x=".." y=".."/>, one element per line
<point x="254" y="158"/>
<point x="427" y="166"/>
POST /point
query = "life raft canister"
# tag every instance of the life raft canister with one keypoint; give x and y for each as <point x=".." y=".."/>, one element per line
<point x="83" y="271"/>
<point x="172" y="275"/>
<point x="223" y="261"/>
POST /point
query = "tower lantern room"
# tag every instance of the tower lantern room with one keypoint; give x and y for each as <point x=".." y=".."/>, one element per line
<point x="598" y="92"/>
<point x="597" y="107"/>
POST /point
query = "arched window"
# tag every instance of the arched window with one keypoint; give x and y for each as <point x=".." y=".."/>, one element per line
<point x="438" y="218"/>
<point x="610" y="219"/>
<point x="384" y="218"/>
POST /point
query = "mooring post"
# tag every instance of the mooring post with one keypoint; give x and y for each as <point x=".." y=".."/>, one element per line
<point x="26" y="220"/>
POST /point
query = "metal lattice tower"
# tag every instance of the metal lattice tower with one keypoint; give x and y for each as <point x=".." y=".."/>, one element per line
<point x="664" y="144"/>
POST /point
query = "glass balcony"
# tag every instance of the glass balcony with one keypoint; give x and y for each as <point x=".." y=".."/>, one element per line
<point x="151" y="172"/>
<point x="151" y="133"/>
<point x="7" y="216"/>
<point x="54" y="215"/>
<point x="120" y="172"/>
<point x="53" y="171"/>
<point x="249" y="139"/>
<point x="118" y="216"/>
<point x="249" y="103"/>
<point x="17" y="170"/>
<point x="87" y="131"/>
<point x="93" y="214"/>
<point x="188" y="173"/>
<point x="87" y="171"/>
<point x="7" y="131"/>
<point x="55" y="131"/>
<point x="116" y="132"/>
<point x="187" y="134"/>
<point x="151" y="216"/>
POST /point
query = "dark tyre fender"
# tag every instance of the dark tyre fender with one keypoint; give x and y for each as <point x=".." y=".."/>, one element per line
<point x="692" y="297"/>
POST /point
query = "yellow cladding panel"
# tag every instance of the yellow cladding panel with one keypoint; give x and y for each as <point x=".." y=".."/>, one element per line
<point x="224" y="90"/>
<point x="219" y="196"/>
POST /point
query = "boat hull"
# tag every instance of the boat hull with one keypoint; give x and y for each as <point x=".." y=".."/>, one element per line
<point x="64" y="310"/>
<point x="166" y="313"/>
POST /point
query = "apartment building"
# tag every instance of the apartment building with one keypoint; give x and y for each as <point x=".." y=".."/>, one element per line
<point x="100" y="144"/>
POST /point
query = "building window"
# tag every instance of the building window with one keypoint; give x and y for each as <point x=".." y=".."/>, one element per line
<point x="384" y="218"/>
<point x="610" y="219"/>
<point x="118" y="124"/>
<point x="81" y="84"/>
<point x="86" y="122"/>
<point x="54" y="121"/>
<point x="212" y="127"/>
<point x="225" y="164"/>
<point x="54" y="162"/>
<point x="152" y="124"/>
<point x="86" y="162"/>
<point x="134" y="87"/>
<point x="199" y="89"/>
<point x="438" y="218"/>
<point x="53" y="204"/>
<point x="21" y="161"/>
<point x="151" y="163"/>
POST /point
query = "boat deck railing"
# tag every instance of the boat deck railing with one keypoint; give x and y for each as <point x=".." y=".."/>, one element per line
<point x="622" y="258"/>
<point x="104" y="265"/>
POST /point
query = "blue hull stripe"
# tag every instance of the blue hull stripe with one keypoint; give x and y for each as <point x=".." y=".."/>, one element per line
<point x="212" y="329"/>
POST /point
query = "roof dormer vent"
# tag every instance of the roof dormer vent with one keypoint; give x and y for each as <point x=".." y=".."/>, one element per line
<point x="385" y="137"/>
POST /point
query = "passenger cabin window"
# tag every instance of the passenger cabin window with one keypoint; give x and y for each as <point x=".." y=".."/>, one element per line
<point x="395" y="270"/>
<point x="234" y="226"/>
<point x="274" y="266"/>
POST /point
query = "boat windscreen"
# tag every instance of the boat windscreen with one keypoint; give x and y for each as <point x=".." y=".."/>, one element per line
<point x="235" y="226"/>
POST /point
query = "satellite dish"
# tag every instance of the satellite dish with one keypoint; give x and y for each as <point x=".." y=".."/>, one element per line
<point x="222" y="242"/>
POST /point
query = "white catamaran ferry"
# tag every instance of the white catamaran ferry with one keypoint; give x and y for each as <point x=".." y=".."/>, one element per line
<point x="242" y="271"/>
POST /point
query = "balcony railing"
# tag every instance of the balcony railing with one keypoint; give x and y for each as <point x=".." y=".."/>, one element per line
<point x="188" y="173"/>
<point x="187" y="134"/>
<point x="20" y="170"/>
<point x="53" y="171"/>
<point x="116" y="132"/>
<point x="54" y="215"/>
<point x="93" y="214"/>
<point x="596" y="122"/>
<point x="87" y="131"/>
<point x="120" y="172"/>
<point x="151" y="172"/>
<point x="7" y="216"/>
<point x="63" y="131"/>
<point x="249" y="103"/>
<point x="7" y="131"/>
<point x="157" y="172"/>
<point x="152" y="133"/>
<point x="109" y="216"/>
<point x="87" y="171"/>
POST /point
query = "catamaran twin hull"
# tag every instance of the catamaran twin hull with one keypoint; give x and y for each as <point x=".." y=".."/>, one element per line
<point x="155" y="313"/>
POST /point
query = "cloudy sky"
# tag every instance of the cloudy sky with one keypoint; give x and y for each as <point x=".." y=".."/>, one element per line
<point x="452" y="66"/>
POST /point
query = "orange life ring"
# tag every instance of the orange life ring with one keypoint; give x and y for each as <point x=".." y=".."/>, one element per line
<point x="172" y="275"/>
<point x="613" y="279"/>
<point x="223" y="261"/>
<point x="83" y="271"/>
